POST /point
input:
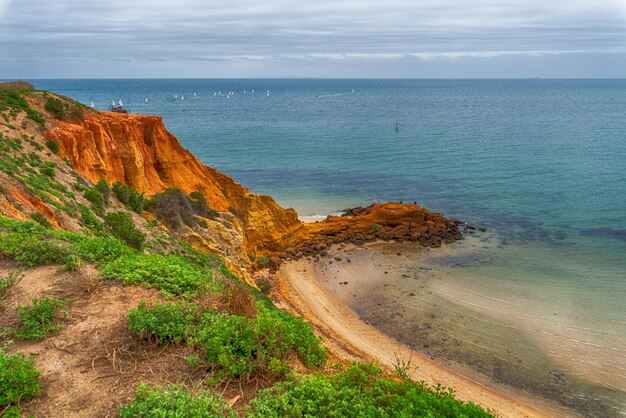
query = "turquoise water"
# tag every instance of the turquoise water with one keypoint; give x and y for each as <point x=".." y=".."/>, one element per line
<point x="541" y="163"/>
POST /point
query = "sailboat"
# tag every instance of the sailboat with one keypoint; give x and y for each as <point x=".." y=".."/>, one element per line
<point x="182" y="97"/>
<point x="119" y="108"/>
<point x="194" y="93"/>
<point x="176" y="96"/>
<point x="92" y="105"/>
<point x="268" y="93"/>
<point x="146" y="100"/>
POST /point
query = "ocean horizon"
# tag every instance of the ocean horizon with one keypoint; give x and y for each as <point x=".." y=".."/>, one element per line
<point x="539" y="163"/>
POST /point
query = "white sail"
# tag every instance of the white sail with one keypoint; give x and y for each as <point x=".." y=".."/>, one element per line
<point x="92" y="105"/>
<point x="146" y="100"/>
<point x="182" y="97"/>
<point x="176" y="96"/>
<point x="120" y="102"/>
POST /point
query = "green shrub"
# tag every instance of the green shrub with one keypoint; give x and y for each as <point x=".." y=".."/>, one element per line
<point x="375" y="227"/>
<point x="94" y="196"/>
<point x="121" y="225"/>
<point x="39" y="319"/>
<point x="229" y="342"/>
<point x="100" y="249"/>
<point x="105" y="190"/>
<point x="47" y="171"/>
<point x="360" y="391"/>
<point x="40" y="219"/>
<point x="14" y="100"/>
<point x="201" y="206"/>
<point x="174" y="401"/>
<point x="165" y="322"/>
<point x="279" y="333"/>
<point x="90" y="220"/>
<point x="55" y="106"/>
<point x="19" y="380"/>
<point x="131" y="198"/>
<point x="53" y="146"/>
<point x="173" y="208"/>
<point x="173" y="275"/>
<point x="236" y="345"/>
<point x="29" y="250"/>
<point x="11" y="278"/>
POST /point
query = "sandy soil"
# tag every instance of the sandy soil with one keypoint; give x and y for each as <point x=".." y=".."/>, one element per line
<point x="93" y="364"/>
<point x="351" y="338"/>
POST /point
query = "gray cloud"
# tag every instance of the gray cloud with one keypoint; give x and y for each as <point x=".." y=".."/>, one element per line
<point x="45" y="37"/>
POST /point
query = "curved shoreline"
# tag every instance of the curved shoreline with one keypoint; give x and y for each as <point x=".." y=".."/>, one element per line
<point x="350" y="338"/>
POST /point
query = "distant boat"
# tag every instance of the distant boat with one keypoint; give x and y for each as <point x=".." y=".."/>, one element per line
<point x="252" y="91"/>
<point x="182" y="97"/>
<point x="228" y="96"/>
<point x="244" y="92"/>
<point x="92" y="105"/>
<point x="268" y="93"/>
<point x="352" y="90"/>
<point x="176" y="96"/>
<point x="219" y="92"/>
<point x="146" y="100"/>
<point x="214" y="94"/>
<point x="119" y="108"/>
<point x="194" y="93"/>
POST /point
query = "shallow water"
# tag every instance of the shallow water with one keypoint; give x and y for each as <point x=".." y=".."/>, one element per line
<point x="540" y="163"/>
<point x="459" y="305"/>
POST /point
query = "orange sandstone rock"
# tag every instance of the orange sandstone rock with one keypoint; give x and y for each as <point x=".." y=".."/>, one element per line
<point x="138" y="151"/>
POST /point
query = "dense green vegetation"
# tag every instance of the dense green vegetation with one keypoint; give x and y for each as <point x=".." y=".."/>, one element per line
<point x="121" y="226"/>
<point x="39" y="319"/>
<point x="174" y="401"/>
<point x="130" y="197"/>
<point x="236" y="345"/>
<point x="55" y="106"/>
<point x="171" y="274"/>
<point x="19" y="381"/>
<point x="360" y="391"/>
<point x="53" y="146"/>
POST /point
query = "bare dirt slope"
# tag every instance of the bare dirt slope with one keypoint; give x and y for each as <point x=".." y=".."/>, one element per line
<point x="351" y="338"/>
<point x="93" y="364"/>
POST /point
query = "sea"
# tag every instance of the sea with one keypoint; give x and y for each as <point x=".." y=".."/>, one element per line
<point x="539" y="163"/>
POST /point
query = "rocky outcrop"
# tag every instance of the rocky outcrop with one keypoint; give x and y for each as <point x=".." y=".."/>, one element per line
<point x="384" y="221"/>
<point x="138" y="151"/>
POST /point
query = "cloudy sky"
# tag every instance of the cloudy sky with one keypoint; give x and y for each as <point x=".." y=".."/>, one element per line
<point x="320" y="38"/>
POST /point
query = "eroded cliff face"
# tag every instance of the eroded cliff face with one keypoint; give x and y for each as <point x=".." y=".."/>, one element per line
<point x="138" y="151"/>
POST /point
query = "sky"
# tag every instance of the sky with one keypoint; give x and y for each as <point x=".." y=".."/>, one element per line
<point x="319" y="38"/>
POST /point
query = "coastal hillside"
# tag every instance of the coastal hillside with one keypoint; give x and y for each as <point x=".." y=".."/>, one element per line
<point x="126" y="272"/>
<point x="138" y="152"/>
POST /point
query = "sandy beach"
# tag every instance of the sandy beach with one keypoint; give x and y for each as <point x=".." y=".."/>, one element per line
<point x="384" y="300"/>
<point x="351" y="338"/>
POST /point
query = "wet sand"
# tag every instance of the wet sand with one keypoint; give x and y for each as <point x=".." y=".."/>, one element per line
<point x="398" y="289"/>
<point x="354" y="339"/>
